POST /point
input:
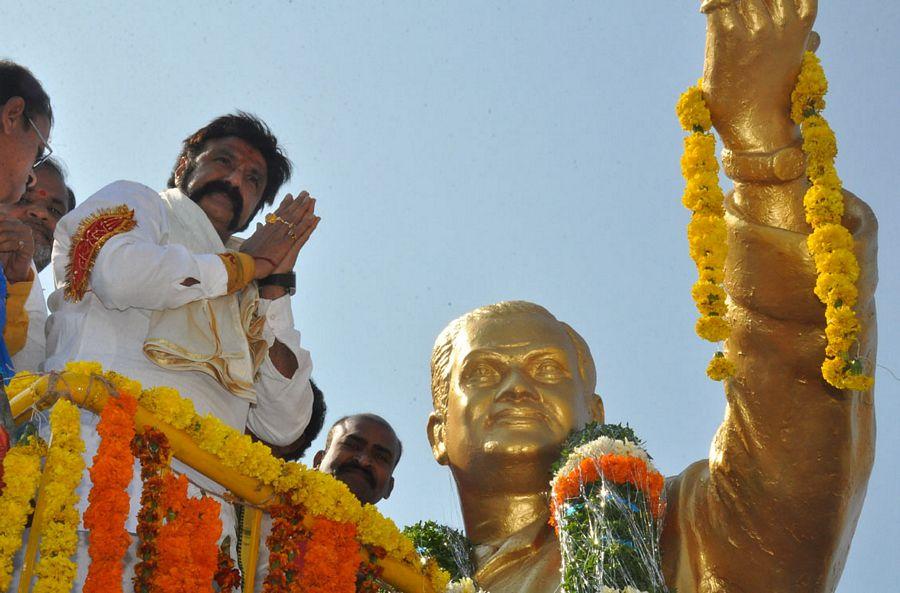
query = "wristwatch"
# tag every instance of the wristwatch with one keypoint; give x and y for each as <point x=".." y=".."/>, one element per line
<point x="286" y="281"/>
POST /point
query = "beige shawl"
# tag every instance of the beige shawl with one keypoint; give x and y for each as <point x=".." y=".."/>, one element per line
<point x="221" y="337"/>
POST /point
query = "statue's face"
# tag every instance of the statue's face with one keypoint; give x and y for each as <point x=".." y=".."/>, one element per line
<point x="515" y="393"/>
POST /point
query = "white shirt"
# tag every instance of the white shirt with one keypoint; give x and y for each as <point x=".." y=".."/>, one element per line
<point x="137" y="272"/>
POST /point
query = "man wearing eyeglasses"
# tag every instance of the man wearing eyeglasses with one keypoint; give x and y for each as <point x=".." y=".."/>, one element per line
<point x="25" y="120"/>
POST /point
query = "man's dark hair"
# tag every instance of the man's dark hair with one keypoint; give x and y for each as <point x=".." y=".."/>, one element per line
<point x="57" y="167"/>
<point x="316" y="422"/>
<point x="251" y="130"/>
<point x="18" y="81"/>
<point x="371" y="418"/>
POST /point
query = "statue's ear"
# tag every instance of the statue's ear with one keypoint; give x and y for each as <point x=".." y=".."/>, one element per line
<point x="436" y="425"/>
<point x="598" y="413"/>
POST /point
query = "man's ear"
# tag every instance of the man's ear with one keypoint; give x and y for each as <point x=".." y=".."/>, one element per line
<point x="598" y="413"/>
<point x="180" y="169"/>
<point x="436" y="437"/>
<point x="317" y="459"/>
<point x="11" y="113"/>
<point x="389" y="488"/>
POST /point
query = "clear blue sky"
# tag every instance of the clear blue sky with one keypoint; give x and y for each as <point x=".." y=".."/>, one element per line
<point x="468" y="152"/>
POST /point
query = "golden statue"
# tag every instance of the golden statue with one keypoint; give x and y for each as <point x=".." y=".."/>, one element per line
<point x="775" y="506"/>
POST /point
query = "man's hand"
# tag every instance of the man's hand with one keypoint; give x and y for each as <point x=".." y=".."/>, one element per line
<point x="753" y="54"/>
<point x="277" y="243"/>
<point x="16" y="247"/>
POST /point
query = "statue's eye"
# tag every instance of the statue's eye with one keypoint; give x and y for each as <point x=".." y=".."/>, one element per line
<point x="548" y="370"/>
<point x="482" y="373"/>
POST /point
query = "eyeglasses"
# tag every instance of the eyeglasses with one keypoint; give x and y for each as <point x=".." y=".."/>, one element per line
<point x="46" y="150"/>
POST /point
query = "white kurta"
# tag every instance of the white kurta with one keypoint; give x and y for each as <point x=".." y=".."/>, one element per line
<point x="136" y="273"/>
<point x="31" y="356"/>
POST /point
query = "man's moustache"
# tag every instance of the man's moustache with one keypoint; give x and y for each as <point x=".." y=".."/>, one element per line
<point x="370" y="478"/>
<point x="227" y="189"/>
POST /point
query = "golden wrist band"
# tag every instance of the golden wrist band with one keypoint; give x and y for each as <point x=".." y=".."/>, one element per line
<point x="778" y="166"/>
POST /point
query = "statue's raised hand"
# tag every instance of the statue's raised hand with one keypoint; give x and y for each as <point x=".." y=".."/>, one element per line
<point x="753" y="54"/>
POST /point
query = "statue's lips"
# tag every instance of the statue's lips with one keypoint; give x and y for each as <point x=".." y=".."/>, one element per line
<point x="520" y="415"/>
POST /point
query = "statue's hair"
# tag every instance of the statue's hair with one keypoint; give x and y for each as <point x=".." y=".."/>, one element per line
<point x="442" y="354"/>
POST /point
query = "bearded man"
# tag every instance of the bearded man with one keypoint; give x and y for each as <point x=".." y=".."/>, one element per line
<point x="156" y="287"/>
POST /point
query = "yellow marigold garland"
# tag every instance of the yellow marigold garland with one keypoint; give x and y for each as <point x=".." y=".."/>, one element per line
<point x="59" y="537"/>
<point x="830" y="244"/>
<point x="319" y="493"/>
<point x="22" y="472"/>
<point x="706" y="231"/>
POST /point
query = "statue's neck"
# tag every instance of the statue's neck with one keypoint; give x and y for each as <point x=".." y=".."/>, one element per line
<point x="493" y="516"/>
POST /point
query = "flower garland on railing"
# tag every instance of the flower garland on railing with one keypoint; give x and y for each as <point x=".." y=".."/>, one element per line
<point x="331" y="559"/>
<point x="318" y="494"/>
<point x="153" y="451"/>
<point x="108" y="501"/>
<point x="227" y="577"/>
<point x="606" y="501"/>
<point x="830" y="243"/>
<point x="706" y="231"/>
<point x="286" y="543"/>
<point x="59" y="517"/>
<point x="186" y="543"/>
<point x="22" y="471"/>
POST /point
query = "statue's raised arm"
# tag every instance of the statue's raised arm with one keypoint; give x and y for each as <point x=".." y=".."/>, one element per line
<point x="775" y="506"/>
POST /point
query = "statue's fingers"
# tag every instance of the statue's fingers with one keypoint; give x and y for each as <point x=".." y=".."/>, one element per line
<point x="782" y="11"/>
<point x="723" y="15"/>
<point x="806" y="10"/>
<point x="755" y="14"/>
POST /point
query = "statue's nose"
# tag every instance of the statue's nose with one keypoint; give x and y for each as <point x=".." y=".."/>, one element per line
<point x="517" y="388"/>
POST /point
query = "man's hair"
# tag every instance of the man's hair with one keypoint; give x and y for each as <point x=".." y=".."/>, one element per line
<point x="316" y="421"/>
<point x="442" y="354"/>
<point x="371" y="418"/>
<point x="57" y="167"/>
<point x="18" y="81"/>
<point x="251" y="130"/>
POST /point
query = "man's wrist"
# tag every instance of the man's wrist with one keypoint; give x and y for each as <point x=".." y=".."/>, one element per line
<point x="287" y="282"/>
<point x="272" y="292"/>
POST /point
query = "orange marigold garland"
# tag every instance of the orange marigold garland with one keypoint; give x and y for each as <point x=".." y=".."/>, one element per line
<point x="332" y="559"/>
<point x="706" y="232"/>
<point x="153" y="451"/>
<point x="186" y="542"/>
<point x="227" y="577"/>
<point x="287" y="545"/>
<point x="108" y="501"/>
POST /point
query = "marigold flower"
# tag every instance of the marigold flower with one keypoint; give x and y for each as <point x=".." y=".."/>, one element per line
<point x="829" y="237"/>
<point x="720" y="368"/>
<point x="833" y="289"/>
<point x="823" y="205"/>
<point x="713" y="329"/>
<point x="692" y="111"/>
<point x="839" y="261"/>
<point x="808" y="96"/>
